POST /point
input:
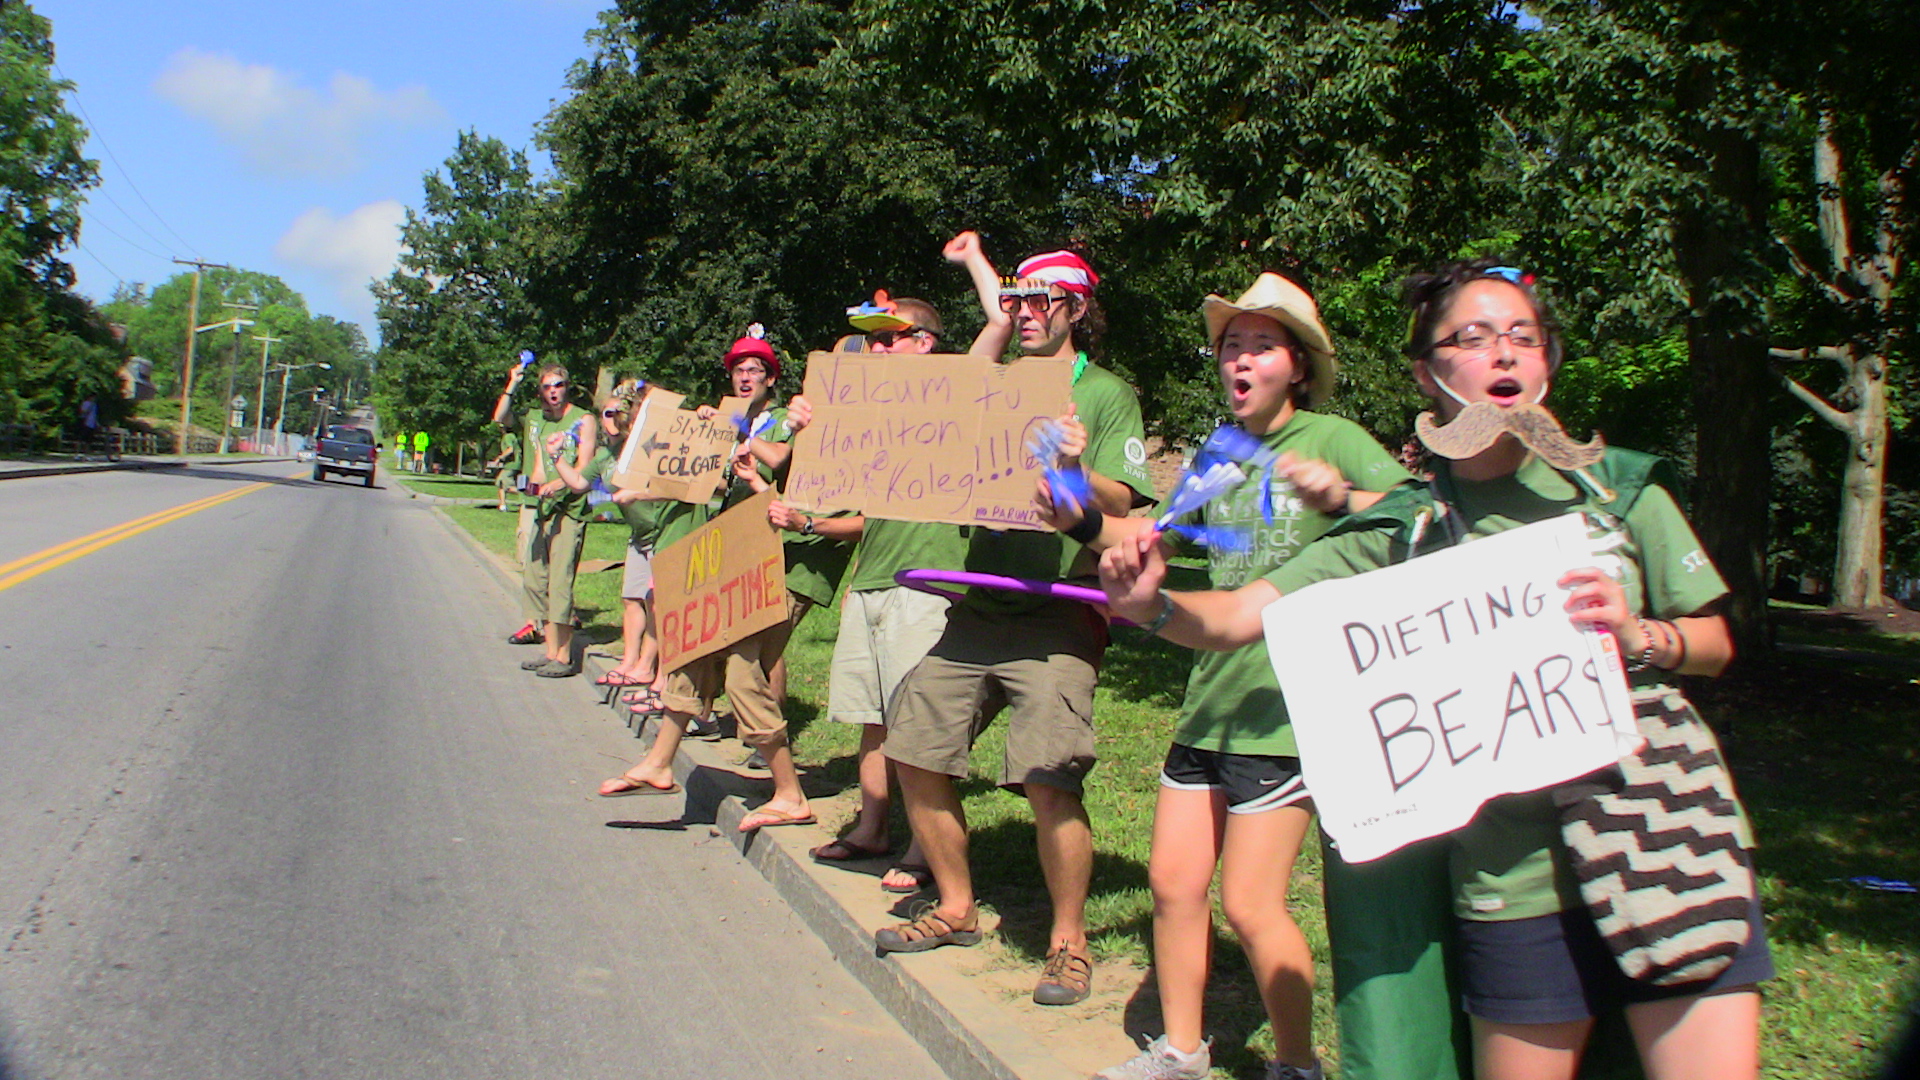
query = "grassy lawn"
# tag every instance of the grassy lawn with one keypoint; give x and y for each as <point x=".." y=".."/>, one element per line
<point x="447" y="487"/>
<point x="1822" y="750"/>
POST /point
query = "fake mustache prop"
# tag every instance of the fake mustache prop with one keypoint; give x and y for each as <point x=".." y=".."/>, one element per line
<point x="1481" y="424"/>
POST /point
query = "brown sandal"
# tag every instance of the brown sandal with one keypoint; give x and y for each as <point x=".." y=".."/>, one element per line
<point x="929" y="931"/>
<point x="1066" y="980"/>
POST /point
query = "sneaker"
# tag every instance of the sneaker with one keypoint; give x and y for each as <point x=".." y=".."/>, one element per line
<point x="1279" y="1071"/>
<point x="704" y="728"/>
<point x="1162" y="1062"/>
<point x="754" y="761"/>
<point x="526" y="635"/>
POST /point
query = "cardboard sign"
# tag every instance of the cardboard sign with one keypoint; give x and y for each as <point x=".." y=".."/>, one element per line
<point x="1420" y="691"/>
<point x="672" y="453"/>
<point x="724" y="581"/>
<point x="925" y="438"/>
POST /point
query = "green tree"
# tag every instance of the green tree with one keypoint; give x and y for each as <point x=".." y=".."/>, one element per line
<point x="455" y="313"/>
<point x="55" y="350"/>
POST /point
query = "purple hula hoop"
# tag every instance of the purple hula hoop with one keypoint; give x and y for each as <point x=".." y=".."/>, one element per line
<point x="930" y="581"/>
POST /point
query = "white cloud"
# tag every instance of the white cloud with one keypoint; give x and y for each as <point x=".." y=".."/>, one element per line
<point x="349" y="251"/>
<point x="284" y="127"/>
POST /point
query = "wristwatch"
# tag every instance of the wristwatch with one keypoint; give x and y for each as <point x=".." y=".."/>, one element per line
<point x="806" y="529"/>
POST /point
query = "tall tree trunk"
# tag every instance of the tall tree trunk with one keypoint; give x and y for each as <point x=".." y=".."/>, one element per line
<point x="1727" y="348"/>
<point x="1859" y="562"/>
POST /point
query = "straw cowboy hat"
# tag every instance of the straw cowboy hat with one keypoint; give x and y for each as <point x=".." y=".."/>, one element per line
<point x="1280" y="299"/>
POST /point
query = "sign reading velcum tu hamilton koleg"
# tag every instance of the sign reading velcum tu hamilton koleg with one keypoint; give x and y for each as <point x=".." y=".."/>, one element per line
<point x="925" y="438"/>
<point x="1419" y="691"/>
<point x="720" y="583"/>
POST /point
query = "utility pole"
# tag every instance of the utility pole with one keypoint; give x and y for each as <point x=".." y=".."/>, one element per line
<point x="193" y="316"/>
<point x="233" y="364"/>
<point x="260" y="402"/>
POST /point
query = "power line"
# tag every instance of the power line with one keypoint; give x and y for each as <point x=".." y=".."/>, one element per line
<point x="103" y="263"/>
<point x="136" y="221"/>
<point x="129" y="243"/>
<point x="93" y="130"/>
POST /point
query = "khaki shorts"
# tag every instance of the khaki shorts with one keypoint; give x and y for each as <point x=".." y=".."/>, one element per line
<point x="636" y="583"/>
<point x="883" y="634"/>
<point x="1039" y="666"/>
<point x="547" y="567"/>
<point x="743" y="670"/>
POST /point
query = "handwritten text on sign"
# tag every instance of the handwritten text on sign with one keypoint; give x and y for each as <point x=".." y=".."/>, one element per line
<point x="1422" y="690"/>
<point x="925" y="438"/>
<point x="721" y="583"/>
<point x="674" y="454"/>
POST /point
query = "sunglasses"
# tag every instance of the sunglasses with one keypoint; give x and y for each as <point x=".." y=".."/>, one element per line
<point x="886" y="338"/>
<point x="613" y="414"/>
<point x="1038" y="302"/>
<point x="553" y="386"/>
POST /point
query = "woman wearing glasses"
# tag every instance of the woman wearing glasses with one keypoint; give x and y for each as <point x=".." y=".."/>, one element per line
<point x="1534" y="968"/>
<point x="642" y="514"/>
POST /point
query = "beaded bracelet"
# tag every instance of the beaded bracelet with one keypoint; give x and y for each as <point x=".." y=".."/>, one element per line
<point x="1645" y="659"/>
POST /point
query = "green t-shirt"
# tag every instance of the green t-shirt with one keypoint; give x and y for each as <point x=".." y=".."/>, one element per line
<point x="1233" y="702"/>
<point x="1503" y="861"/>
<point x="815" y="564"/>
<point x="1116" y="449"/>
<point x="888" y="547"/>
<point x="538" y="429"/>
<point x="644" y="518"/>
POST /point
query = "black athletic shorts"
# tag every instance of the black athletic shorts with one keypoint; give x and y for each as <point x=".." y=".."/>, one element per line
<point x="1252" y="783"/>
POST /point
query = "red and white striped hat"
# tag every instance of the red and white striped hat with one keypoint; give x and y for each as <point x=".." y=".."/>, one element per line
<point x="1062" y="268"/>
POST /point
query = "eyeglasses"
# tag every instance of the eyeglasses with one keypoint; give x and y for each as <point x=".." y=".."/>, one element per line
<point x="886" y="338"/>
<point x="1479" y="337"/>
<point x="1038" y="302"/>
<point x="745" y="369"/>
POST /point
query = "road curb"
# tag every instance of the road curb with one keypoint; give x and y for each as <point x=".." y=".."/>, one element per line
<point x="88" y="467"/>
<point x="919" y="997"/>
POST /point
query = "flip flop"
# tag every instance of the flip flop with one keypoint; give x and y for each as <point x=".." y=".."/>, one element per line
<point x="839" y="851"/>
<point x="619" y="678"/>
<point x="768" y="819"/>
<point x="921" y="878"/>
<point x="625" y="785"/>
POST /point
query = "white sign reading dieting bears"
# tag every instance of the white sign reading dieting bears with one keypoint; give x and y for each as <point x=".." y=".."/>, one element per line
<point x="1419" y="691"/>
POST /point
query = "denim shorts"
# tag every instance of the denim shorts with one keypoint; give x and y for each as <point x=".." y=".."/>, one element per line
<point x="1554" y="968"/>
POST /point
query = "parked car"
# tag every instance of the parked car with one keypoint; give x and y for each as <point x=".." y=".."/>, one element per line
<point x="349" y="451"/>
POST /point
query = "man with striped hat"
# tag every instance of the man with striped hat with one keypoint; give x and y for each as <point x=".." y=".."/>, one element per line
<point x="1033" y="656"/>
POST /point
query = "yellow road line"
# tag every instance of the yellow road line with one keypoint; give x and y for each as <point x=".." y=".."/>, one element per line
<point x="58" y="548"/>
<point x="61" y="554"/>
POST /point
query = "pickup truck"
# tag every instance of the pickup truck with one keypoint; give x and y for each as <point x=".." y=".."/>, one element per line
<point x="349" y="451"/>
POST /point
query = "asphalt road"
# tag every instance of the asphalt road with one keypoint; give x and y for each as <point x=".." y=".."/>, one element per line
<point x="279" y="803"/>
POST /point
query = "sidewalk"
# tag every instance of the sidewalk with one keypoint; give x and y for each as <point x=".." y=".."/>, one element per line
<point x="966" y="1006"/>
<point x="18" y="468"/>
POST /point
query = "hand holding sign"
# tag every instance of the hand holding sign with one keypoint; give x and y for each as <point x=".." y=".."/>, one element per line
<point x="1421" y="690"/>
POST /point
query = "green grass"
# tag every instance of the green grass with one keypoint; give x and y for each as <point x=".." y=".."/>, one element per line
<point x="1824" y="753"/>
<point x="447" y="487"/>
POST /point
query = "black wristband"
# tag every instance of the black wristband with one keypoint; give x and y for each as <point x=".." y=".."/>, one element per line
<point x="1087" y="529"/>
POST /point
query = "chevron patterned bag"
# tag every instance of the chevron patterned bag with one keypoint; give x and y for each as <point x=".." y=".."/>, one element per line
<point x="1659" y="848"/>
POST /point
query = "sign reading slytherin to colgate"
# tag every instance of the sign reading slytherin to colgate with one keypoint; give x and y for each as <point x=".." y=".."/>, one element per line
<point x="719" y="584"/>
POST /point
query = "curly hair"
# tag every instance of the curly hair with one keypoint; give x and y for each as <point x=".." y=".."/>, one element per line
<point x="1431" y="294"/>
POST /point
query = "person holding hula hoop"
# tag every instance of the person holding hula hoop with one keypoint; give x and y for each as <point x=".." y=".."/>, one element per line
<point x="1033" y="656"/>
<point x="1534" y="969"/>
<point x="1230" y="791"/>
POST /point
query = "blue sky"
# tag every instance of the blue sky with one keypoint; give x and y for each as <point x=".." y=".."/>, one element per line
<point x="288" y="138"/>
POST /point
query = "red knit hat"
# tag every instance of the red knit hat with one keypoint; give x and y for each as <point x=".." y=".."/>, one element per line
<point x="754" y="345"/>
